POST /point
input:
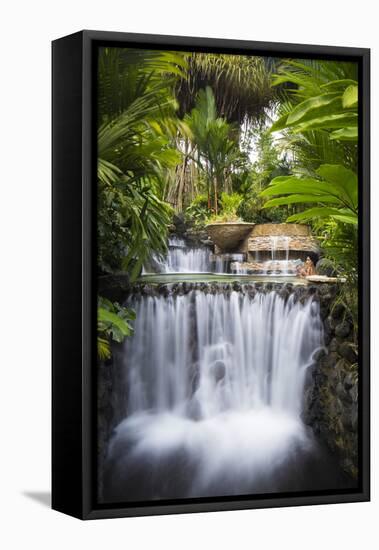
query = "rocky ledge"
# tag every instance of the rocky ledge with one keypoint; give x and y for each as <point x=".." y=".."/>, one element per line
<point x="331" y="398"/>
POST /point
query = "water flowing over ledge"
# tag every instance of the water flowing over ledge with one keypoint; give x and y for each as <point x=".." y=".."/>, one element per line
<point x="211" y="389"/>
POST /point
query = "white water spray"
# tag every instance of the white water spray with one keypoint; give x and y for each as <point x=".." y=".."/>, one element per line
<point x="215" y="385"/>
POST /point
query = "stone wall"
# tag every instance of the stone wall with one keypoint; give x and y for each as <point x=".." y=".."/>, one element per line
<point x="281" y="229"/>
<point x="293" y="244"/>
<point x="331" y="397"/>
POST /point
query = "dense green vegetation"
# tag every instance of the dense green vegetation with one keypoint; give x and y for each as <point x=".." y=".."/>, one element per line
<point x="221" y="138"/>
<point x="319" y="122"/>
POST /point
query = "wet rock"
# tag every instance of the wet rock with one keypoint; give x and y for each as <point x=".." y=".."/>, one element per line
<point x="334" y="344"/>
<point x="331" y="401"/>
<point x="319" y="354"/>
<point x="181" y="225"/>
<point x="340" y="391"/>
<point x="348" y="381"/>
<point x="346" y="419"/>
<point x="343" y="329"/>
<point x="148" y="290"/>
<point x="252" y="293"/>
<point x="338" y="312"/>
<point x="323" y="290"/>
<point x="354" y="417"/>
<point x="180" y="289"/>
<point x="329" y="326"/>
<point x="348" y="351"/>
<point x="284" y="293"/>
<point x="353" y="393"/>
<point x="326" y="299"/>
<point x="312" y="290"/>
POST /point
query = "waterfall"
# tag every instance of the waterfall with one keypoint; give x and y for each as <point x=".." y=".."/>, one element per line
<point x="277" y="264"/>
<point x="212" y="393"/>
<point x="182" y="259"/>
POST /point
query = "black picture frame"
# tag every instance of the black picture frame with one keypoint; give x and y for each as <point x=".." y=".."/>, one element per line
<point x="74" y="273"/>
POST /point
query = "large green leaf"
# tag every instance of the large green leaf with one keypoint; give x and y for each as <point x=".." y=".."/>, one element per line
<point x="338" y="84"/>
<point x="343" y="177"/>
<point x="344" y="216"/>
<point x="345" y="134"/>
<point x="294" y="199"/>
<point x="120" y="327"/>
<point x="288" y="185"/>
<point x="350" y="97"/>
<point x="280" y="124"/>
<point x="339" y="120"/>
<point x="315" y="107"/>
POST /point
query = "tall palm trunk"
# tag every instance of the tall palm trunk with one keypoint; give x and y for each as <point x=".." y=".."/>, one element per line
<point x="182" y="177"/>
<point x="215" y="194"/>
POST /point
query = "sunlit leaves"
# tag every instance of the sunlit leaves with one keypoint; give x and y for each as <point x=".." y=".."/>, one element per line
<point x="350" y="97"/>
<point x="337" y="188"/>
<point x="112" y="324"/>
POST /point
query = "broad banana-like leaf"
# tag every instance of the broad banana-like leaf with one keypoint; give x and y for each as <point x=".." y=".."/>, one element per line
<point x="338" y="84"/>
<point x="328" y="121"/>
<point x="294" y="199"/>
<point x="345" y="134"/>
<point x="315" y="107"/>
<point x="342" y="215"/>
<point x="280" y="124"/>
<point x="350" y="97"/>
<point x="288" y="185"/>
<point x="343" y="177"/>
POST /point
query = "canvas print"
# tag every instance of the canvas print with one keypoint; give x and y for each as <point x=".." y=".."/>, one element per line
<point x="227" y="259"/>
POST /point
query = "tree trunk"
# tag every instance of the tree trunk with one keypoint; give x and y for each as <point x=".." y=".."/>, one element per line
<point x="215" y="191"/>
<point x="182" y="178"/>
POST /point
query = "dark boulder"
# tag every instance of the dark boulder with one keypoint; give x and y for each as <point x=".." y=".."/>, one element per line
<point x="343" y="329"/>
<point x="348" y="351"/>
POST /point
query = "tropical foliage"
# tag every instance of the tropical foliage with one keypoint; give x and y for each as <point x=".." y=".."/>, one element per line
<point x="217" y="144"/>
<point x="220" y="137"/>
<point x="318" y="121"/>
<point x="112" y="324"/>
<point x="229" y="205"/>
<point x="241" y="85"/>
<point x="334" y="192"/>
<point x="136" y="119"/>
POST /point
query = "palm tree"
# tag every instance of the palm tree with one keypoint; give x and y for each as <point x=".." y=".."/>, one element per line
<point x="216" y="141"/>
<point x="241" y="85"/>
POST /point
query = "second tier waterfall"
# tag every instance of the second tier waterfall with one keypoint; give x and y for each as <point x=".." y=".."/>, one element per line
<point x="182" y="259"/>
<point x="211" y="389"/>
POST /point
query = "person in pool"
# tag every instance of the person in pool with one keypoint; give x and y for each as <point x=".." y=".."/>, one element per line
<point x="307" y="269"/>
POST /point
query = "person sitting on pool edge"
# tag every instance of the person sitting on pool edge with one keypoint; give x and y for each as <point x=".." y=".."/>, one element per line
<point x="307" y="269"/>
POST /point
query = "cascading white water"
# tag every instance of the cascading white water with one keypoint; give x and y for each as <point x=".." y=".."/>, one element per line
<point x="277" y="264"/>
<point x="214" y="385"/>
<point x="183" y="259"/>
